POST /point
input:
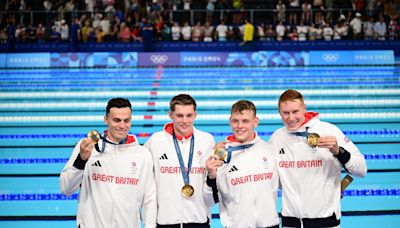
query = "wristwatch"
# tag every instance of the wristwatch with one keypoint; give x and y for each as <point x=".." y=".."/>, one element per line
<point x="342" y="150"/>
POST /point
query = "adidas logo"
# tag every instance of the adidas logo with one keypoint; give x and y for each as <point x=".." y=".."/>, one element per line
<point x="233" y="169"/>
<point x="97" y="163"/>
<point x="164" y="157"/>
<point x="282" y="151"/>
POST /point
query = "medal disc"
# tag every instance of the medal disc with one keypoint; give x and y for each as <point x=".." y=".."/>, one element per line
<point x="94" y="136"/>
<point x="187" y="190"/>
<point x="220" y="153"/>
<point x="312" y="139"/>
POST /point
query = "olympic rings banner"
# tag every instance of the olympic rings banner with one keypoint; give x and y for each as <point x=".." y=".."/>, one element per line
<point x="156" y="59"/>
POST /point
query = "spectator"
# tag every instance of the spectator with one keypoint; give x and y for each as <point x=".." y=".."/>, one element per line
<point x="280" y="31"/>
<point x="318" y="31"/>
<point x="166" y="32"/>
<point x="306" y="11"/>
<point x="312" y="32"/>
<point x="31" y="31"/>
<point x="208" y="32"/>
<point x="90" y="6"/>
<point x="11" y="35"/>
<point x="237" y="5"/>
<point x="71" y="10"/>
<point x="302" y="31"/>
<point x="318" y="8"/>
<point x="86" y="30"/>
<point x="210" y="10"/>
<point x="105" y="27"/>
<point x="158" y="26"/>
<point x="294" y="7"/>
<point x="135" y="33"/>
<point x="110" y="12"/>
<point x="248" y="33"/>
<point x="176" y="31"/>
<point x="124" y="33"/>
<point x="370" y="8"/>
<point x="197" y="32"/>
<point x="393" y="30"/>
<point x="270" y="33"/>
<point x="221" y="31"/>
<point x="380" y="29"/>
<point x="186" y="31"/>
<point x="97" y="17"/>
<point x="100" y="35"/>
<point x="134" y="9"/>
<point x="356" y="26"/>
<point x="280" y="11"/>
<point x="368" y="28"/>
<point x="64" y="31"/>
<point x="338" y="31"/>
<point x="186" y="8"/>
<point x="47" y="6"/>
<point x="19" y="32"/>
<point x="329" y="11"/>
<point x="293" y="35"/>
<point x="359" y="5"/>
<point x="22" y="8"/>
<point x="40" y="33"/>
<point x="327" y="32"/>
<point x="261" y="32"/>
<point x="55" y="36"/>
<point x="345" y="27"/>
<point x="147" y="34"/>
<point x="75" y="34"/>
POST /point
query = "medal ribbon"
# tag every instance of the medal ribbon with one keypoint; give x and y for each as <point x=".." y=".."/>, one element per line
<point x="185" y="174"/>
<point x="303" y="134"/>
<point x="103" y="146"/>
<point x="231" y="149"/>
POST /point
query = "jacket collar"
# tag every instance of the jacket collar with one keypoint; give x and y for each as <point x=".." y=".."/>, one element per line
<point x="169" y="128"/>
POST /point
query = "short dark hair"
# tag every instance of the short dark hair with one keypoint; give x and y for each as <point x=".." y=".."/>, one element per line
<point x="243" y="105"/>
<point x="118" y="103"/>
<point x="181" y="99"/>
<point x="290" y="95"/>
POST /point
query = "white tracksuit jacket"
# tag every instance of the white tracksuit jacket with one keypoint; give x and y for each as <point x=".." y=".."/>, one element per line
<point x="310" y="177"/>
<point x="173" y="208"/>
<point x="248" y="187"/>
<point x="114" y="186"/>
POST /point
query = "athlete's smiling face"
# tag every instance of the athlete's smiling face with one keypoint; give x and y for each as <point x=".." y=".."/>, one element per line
<point x="243" y="124"/>
<point x="183" y="118"/>
<point x="118" y="121"/>
<point x="292" y="113"/>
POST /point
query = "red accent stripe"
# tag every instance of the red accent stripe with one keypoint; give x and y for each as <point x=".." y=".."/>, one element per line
<point x="155" y="84"/>
<point x="151" y="103"/>
<point x="144" y="135"/>
<point x="153" y="92"/>
<point x="148" y="117"/>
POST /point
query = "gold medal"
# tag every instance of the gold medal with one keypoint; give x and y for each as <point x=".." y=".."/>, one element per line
<point x="94" y="136"/>
<point x="312" y="139"/>
<point x="220" y="153"/>
<point x="187" y="190"/>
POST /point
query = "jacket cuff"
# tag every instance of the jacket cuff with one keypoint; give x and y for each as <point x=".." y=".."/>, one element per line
<point x="211" y="182"/>
<point x="343" y="156"/>
<point x="79" y="163"/>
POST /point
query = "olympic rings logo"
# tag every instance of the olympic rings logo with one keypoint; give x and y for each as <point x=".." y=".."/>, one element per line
<point x="158" y="59"/>
<point x="330" y="57"/>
